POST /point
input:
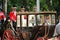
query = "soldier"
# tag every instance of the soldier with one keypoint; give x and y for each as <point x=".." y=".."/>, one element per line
<point x="12" y="15"/>
<point x="2" y="16"/>
<point x="57" y="31"/>
<point x="2" y="20"/>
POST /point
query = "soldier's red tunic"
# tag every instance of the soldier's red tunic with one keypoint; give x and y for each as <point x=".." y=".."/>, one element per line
<point x="2" y="16"/>
<point x="12" y="16"/>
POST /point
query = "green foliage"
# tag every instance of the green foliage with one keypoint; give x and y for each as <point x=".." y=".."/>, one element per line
<point x="9" y="6"/>
<point x="44" y="4"/>
<point x="56" y="6"/>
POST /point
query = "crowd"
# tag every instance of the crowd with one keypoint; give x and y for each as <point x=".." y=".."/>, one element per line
<point x="42" y="31"/>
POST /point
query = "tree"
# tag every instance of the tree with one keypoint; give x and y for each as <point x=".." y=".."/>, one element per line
<point x="44" y="4"/>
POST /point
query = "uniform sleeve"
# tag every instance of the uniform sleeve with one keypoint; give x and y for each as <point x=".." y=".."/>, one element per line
<point x="11" y="15"/>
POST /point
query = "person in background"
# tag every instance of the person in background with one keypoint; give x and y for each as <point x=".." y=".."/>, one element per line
<point x="2" y="20"/>
<point x="12" y="16"/>
<point x="22" y="9"/>
<point x="2" y="16"/>
<point x="24" y="17"/>
<point x="35" y="9"/>
<point x="57" y="31"/>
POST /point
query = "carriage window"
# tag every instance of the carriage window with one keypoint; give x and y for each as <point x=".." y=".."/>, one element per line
<point x="18" y="20"/>
<point x="50" y="19"/>
<point x="31" y="21"/>
<point x="47" y="19"/>
<point x="24" y="21"/>
<point x="53" y="19"/>
<point x="39" y="20"/>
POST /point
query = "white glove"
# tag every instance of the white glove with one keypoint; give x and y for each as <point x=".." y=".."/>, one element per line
<point x="4" y="19"/>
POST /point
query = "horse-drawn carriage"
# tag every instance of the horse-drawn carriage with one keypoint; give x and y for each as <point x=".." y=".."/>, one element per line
<point x="30" y="20"/>
<point x="26" y="21"/>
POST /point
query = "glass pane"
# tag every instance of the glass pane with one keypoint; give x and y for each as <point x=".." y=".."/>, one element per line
<point x="48" y="19"/>
<point x="31" y="21"/>
<point x="18" y="20"/>
<point x="53" y="19"/>
<point x="24" y="21"/>
<point x="39" y="19"/>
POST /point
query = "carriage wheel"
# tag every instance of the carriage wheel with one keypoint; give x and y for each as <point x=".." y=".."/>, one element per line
<point x="7" y="35"/>
<point x="4" y="37"/>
